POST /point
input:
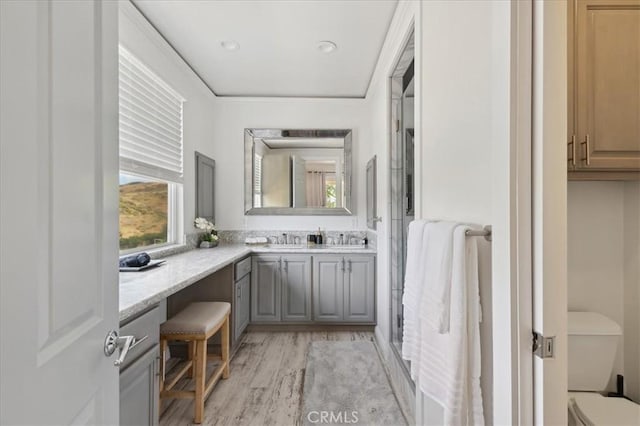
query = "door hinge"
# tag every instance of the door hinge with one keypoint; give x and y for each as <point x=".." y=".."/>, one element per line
<point x="397" y="126"/>
<point x="543" y="347"/>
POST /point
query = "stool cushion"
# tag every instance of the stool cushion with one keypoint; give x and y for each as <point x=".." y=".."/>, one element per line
<point x="197" y="318"/>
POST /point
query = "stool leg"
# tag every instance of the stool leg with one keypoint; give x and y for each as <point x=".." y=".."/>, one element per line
<point x="200" y="372"/>
<point x="163" y="366"/>
<point x="225" y="347"/>
<point x="191" y="352"/>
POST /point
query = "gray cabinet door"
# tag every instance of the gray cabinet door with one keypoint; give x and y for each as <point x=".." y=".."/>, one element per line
<point x="265" y="288"/>
<point x="359" y="289"/>
<point x="243" y="299"/>
<point x="296" y="288"/>
<point x="328" y="278"/>
<point x="205" y="187"/>
<point x="139" y="391"/>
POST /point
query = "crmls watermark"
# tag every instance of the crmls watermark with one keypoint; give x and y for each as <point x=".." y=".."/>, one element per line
<point x="332" y="417"/>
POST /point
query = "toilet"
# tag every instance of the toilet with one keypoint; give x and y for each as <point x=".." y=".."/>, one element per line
<point x="593" y="341"/>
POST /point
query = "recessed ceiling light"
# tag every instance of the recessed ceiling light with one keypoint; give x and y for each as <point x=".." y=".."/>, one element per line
<point x="230" y="45"/>
<point x="327" y="46"/>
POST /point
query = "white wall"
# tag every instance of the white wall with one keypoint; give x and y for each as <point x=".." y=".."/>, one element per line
<point x="604" y="264"/>
<point x="407" y="15"/>
<point x="141" y="39"/>
<point x="595" y="252"/>
<point x="233" y="115"/>
<point x="462" y="105"/>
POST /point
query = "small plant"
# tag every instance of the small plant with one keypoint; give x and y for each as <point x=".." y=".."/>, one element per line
<point x="210" y="234"/>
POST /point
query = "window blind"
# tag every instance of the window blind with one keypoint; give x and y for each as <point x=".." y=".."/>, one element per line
<point x="257" y="181"/>
<point x="150" y="114"/>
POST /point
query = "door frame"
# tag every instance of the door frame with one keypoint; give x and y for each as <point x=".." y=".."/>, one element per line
<point x="539" y="257"/>
<point x="549" y="202"/>
<point x="521" y="226"/>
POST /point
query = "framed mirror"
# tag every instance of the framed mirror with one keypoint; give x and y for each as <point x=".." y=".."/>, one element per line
<point x="297" y="171"/>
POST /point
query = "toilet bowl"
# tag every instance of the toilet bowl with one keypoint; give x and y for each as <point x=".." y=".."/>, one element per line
<point x="593" y="341"/>
<point x="593" y="409"/>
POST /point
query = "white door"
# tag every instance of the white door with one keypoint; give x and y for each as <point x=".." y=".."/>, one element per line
<point x="59" y="215"/>
<point x="549" y="208"/>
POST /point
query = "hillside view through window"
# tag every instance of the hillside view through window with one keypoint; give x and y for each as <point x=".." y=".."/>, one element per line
<point x="143" y="212"/>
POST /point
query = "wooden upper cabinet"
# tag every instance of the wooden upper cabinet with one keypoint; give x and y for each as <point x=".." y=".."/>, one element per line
<point x="604" y="85"/>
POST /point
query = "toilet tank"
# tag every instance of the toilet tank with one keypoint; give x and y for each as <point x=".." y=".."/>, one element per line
<point x="593" y="342"/>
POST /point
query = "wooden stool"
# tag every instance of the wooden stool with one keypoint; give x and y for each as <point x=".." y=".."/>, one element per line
<point x="195" y="324"/>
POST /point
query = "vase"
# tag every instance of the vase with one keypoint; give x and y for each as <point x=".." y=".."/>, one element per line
<point x="208" y="244"/>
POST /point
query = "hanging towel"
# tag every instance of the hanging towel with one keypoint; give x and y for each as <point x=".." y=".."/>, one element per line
<point x="449" y="364"/>
<point x="413" y="292"/>
<point x="435" y="300"/>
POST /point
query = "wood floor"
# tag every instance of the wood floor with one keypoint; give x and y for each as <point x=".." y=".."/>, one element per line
<point x="265" y="382"/>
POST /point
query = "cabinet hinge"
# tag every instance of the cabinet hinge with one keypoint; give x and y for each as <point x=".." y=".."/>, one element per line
<point x="543" y="347"/>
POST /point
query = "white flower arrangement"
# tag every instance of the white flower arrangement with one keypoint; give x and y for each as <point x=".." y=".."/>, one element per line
<point x="210" y="234"/>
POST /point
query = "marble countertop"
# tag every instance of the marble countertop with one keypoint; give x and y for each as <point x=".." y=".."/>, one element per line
<point x="139" y="290"/>
<point x="292" y="249"/>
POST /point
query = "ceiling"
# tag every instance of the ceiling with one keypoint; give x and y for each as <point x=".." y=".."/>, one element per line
<point x="278" y="54"/>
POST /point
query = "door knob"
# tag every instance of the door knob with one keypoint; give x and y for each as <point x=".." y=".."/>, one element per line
<point x="124" y="343"/>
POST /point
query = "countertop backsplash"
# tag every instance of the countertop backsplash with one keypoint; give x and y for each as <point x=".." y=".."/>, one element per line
<point x="238" y="237"/>
<point x="293" y="237"/>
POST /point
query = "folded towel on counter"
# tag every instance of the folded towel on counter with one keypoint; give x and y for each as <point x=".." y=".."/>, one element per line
<point x="135" y="260"/>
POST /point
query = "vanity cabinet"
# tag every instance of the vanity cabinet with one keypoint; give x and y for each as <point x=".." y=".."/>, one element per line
<point x="242" y="290"/>
<point x="296" y="288"/>
<point x="328" y="286"/>
<point x="344" y="288"/>
<point x="604" y="89"/>
<point x="359" y="289"/>
<point x="139" y="380"/>
<point x="323" y="288"/>
<point x="265" y="288"/>
<point x="281" y="288"/>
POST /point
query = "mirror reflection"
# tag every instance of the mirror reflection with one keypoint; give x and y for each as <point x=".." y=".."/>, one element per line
<point x="297" y="171"/>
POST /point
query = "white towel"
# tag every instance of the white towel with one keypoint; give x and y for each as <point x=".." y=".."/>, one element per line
<point x="413" y="292"/>
<point x="449" y="364"/>
<point x="435" y="301"/>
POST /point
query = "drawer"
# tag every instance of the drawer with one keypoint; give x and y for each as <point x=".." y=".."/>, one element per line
<point x="243" y="268"/>
<point x="147" y="324"/>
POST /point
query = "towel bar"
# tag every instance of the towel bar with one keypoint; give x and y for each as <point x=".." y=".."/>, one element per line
<point x="485" y="232"/>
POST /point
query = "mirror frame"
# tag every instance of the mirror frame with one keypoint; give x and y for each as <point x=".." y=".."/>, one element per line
<point x="250" y="134"/>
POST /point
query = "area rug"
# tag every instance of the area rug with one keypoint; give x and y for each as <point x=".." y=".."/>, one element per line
<point x="345" y="383"/>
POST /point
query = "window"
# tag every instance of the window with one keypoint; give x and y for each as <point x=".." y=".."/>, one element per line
<point x="330" y="189"/>
<point x="151" y="157"/>
<point x="257" y="181"/>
